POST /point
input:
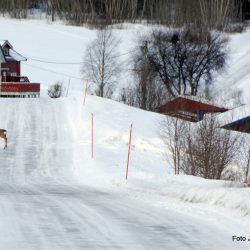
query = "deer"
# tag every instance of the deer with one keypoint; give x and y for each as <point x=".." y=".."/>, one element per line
<point x="3" y="134"/>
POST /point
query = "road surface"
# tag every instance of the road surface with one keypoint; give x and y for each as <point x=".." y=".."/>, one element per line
<point x="40" y="210"/>
<point x="60" y="216"/>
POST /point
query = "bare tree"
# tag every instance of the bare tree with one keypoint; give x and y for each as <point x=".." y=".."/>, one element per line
<point x="214" y="14"/>
<point x="218" y="13"/>
<point x="200" y="149"/>
<point x="183" y="59"/>
<point x="55" y="90"/>
<point x="209" y="149"/>
<point x="128" y="96"/>
<point x="149" y="92"/>
<point x="101" y="63"/>
<point x="173" y="134"/>
<point x="244" y="159"/>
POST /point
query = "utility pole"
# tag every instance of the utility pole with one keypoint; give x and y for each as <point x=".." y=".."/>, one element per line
<point x="53" y="10"/>
<point x="207" y="86"/>
<point x="144" y="77"/>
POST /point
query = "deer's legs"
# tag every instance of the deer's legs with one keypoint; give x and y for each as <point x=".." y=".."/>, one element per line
<point x="6" y="140"/>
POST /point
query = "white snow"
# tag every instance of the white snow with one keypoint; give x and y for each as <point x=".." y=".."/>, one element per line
<point x="236" y="75"/>
<point x="53" y="195"/>
<point x="234" y="115"/>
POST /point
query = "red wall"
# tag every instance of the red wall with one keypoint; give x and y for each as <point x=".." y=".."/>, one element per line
<point x="12" y="67"/>
<point x="23" y="87"/>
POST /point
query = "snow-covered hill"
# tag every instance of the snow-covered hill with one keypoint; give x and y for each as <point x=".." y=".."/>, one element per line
<point x="49" y="155"/>
<point x="55" y="51"/>
<point x="52" y="137"/>
<point x="44" y="43"/>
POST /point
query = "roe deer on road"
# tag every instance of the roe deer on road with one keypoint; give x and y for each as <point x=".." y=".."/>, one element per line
<point x="3" y="134"/>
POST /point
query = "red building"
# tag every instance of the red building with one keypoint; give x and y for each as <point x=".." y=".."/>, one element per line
<point x="12" y="84"/>
<point x="187" y="108"/>
<point x="237" y="119"/>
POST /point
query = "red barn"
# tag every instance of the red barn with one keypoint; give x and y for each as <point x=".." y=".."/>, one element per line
<point x="187" y="108"/>
<point x="12" y="84"/>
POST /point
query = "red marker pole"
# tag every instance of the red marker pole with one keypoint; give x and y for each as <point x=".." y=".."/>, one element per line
<point x="92" y="135"/>
<point x="85" y="93"/>
<point x="130" y="138"/>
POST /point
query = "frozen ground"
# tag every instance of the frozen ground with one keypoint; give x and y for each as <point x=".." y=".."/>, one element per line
<point x="53" y="195"/>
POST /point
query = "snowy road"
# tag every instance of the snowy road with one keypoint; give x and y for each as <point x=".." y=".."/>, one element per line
<point x="65" y="217"/>
<point x="43" y="207"/>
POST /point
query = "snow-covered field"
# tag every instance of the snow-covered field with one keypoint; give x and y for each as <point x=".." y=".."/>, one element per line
<point x="53" y="195"/>
<point x="57" y="44"/>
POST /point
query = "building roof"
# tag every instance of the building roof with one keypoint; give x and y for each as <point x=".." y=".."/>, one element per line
<point x="242" y="125"/>
<point x="189" y="108"/>
<point x="3" y="43"/>
<point x="237" y="119"/>
<point x="13" y="55"/>
<point x="2" y="58"/>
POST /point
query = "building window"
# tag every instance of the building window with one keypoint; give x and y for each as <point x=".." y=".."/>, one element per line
<point x="6" y="51"/>
<point x="4" y="76"/>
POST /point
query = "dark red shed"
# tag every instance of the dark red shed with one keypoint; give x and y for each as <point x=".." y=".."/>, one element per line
<point x="189" y="109"/>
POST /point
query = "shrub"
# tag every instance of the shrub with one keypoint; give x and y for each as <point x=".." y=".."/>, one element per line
<point x="55" y="90"/>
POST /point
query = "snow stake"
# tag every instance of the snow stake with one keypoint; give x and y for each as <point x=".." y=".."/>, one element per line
<point x="92" y="135"/>
<point x="85" y="92"/>
<point x="130" y="138"/>
<point x="68" y="88"/>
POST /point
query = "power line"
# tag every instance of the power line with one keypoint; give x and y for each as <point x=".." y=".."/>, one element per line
<point x="129" y="52"/>
<point x="52" y="62"/>
<point x="75" y="63"/>
<point x="52" y="71"/>
<point x="60" y="73"/>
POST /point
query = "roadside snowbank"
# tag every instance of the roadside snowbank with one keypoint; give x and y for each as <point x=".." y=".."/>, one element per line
<point x="189" y="189"/>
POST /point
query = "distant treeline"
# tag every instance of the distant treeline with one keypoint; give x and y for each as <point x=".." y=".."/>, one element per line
<point x="210" y="13"/>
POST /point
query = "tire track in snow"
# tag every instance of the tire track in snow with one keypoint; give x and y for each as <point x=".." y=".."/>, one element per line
<point x="40" y="140"/>
<point x="58" y="216"/>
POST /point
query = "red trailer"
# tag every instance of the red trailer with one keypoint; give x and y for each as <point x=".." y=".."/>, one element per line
<point x="12" y="84"/>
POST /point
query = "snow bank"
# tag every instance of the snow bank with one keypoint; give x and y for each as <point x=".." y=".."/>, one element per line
<point x="169" y="189"/>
